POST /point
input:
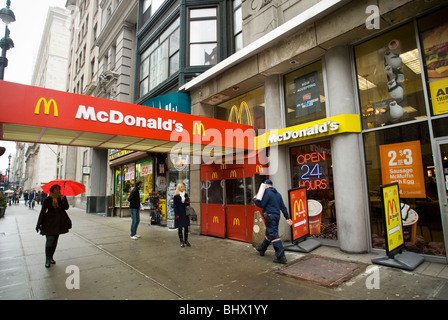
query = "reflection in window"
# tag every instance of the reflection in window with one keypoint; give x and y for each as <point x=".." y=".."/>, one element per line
<point x="422" y="223"/>
<point x="237" y="25"/>
<point x="389" y="79"/>
<point x="203" y="37"/>
<point x="245" y="109"/>
<point x="161" y="59"/>
<point x="304" y="95"/>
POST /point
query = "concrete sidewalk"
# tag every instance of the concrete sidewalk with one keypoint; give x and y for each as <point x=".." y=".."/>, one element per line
<point x="113" y="267"/>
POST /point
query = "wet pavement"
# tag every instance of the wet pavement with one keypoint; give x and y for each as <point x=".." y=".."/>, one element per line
<point x="97" y="260"/>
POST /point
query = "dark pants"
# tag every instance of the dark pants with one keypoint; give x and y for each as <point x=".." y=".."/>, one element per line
<point x="183" y="238"/>
<point x="273" y="237"/>
<point x="50" y="246"/>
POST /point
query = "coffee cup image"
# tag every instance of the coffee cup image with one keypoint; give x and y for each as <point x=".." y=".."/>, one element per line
<point x="314" y="216"/>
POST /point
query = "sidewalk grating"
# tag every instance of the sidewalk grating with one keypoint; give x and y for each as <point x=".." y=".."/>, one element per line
<point x="324" y="271"/>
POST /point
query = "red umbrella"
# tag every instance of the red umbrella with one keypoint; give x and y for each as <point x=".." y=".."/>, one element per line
<point x="68" y="187"/>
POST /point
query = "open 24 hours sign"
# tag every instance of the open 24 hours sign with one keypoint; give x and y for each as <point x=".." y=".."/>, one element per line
<point x="402" y="163"/>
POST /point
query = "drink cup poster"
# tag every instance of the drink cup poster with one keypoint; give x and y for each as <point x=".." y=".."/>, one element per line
<point x="390" y="197"/>
<point x="402" y="163"/>
<point x="298" y="208"/>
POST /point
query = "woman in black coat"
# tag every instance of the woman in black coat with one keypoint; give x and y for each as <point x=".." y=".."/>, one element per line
<point x="53" y="221"/>
<point x="180" y="202"/>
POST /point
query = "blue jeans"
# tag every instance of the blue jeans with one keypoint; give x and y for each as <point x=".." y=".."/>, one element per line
<point x="135" y="215"/>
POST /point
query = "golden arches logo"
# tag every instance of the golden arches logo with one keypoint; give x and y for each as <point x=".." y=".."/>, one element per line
<point x="259" y="169"/>
<point x="197" y="128"/>
<point x="223" y="166"/>
<point x="236" y="222"/>
<point x="215" y="219"/>
<point x="47" y="106"/>
<point x="233" y="174"/>
<point x="215" y="175"/>
<point x="299" y="207"/>
<point x="237" y="113"/>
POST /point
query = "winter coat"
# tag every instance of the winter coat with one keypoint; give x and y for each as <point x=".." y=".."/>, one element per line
<point x="181" y="220"/>
<point x="134" y="198"/>
<point x="54" y="221"/>
<point x="272" y="203"/>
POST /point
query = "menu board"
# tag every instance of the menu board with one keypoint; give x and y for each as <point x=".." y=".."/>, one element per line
<point x="307" y="94"/>
<point x="390" y="197"/>
<point x="299" y="213"/>
<point x="402" y="163"/>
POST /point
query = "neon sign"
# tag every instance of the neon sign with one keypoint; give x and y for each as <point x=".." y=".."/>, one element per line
<point x="313" y="171"/>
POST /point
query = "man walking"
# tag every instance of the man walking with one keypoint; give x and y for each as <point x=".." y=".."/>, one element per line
<point x="272" y="203"/>
<point x="134" y="208"/>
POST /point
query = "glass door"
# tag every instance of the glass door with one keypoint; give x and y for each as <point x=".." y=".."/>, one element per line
<point x="442" y="161"/>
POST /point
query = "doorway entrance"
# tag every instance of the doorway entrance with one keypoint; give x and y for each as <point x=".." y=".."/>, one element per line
<point x="227" y="209"/>
<point x="442" y="178"/>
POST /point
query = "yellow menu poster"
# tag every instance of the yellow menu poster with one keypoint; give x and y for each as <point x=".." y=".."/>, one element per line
<point x="392" y="213"/>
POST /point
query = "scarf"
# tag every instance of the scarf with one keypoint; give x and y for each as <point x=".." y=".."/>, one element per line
<point x="182" y="196"/>
<point x="55" y="199"/>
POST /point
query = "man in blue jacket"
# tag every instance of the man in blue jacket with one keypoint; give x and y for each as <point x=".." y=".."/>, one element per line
<point x="272" y="203"/>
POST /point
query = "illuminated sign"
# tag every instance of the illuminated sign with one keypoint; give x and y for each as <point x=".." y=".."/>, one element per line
<point x="311" y="170"/>
<point x="298" y="208"/>
<point x="390" y="197"/>
<point x="316" y="129"/>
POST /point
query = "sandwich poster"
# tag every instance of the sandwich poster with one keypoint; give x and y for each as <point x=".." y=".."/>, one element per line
<point x="435" y="43"/>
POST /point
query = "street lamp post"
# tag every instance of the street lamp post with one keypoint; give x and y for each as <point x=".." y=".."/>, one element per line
<point x="6" y="43"/>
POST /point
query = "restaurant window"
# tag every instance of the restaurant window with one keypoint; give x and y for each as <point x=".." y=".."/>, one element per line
<point x="161" y="59"/>
<point x="389" y="79"/>
<point x="304" y="95"/>
<point x="128" y="183"/>
<point x="312" y="169"/>
<point x="203" y="36"/>
<point x="245" y="109"/>
<point x="404" y="154"/>
<point x="434" y="38"/>
<point x="144" y="173"/>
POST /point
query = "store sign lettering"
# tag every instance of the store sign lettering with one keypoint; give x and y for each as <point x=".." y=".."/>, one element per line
<point x="315" y="129"/>
<point x="117" y="117"/>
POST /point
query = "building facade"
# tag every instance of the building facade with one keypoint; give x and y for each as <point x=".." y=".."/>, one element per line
<point x="353" y="98"/>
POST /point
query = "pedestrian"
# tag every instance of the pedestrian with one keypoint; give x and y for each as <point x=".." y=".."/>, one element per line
<point x="134" y="208"/>
<point x="180" y="202"/>
<point x="31" y="198"/>
<point x="53" y="221"/>
<point x="25" y="197"/>
<point x="272" y="203"/>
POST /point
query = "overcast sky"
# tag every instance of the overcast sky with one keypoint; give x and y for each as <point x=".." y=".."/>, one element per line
<point x="26" y="32"/>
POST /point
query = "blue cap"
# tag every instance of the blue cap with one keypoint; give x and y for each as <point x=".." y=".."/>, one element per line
<point x="267" y="181"/>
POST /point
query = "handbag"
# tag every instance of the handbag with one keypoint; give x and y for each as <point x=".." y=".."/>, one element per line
<point x="189" y="211"/>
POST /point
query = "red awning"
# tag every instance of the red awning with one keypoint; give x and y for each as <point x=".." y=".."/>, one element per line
<point x="38" y="115"/>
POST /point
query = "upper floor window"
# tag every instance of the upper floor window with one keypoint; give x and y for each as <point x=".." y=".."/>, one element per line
<point x="237" y="25"/>
<point x="203" y="36"/>
<point x="161" y="59"/>
<point x="150" y="6"/>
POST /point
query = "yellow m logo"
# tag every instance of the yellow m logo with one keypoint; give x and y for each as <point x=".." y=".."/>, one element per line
<point x="215" y="175"/>
<point x="236" y="222"/>
<point x="233" y="174"/>
<point x="197" y="128"/>
<point x="215" y="219"/>
<point x="238" y="114"/>
<point x="47" y="105"/>
<point x="259" y="169"/>
<point x="299" y="207"/>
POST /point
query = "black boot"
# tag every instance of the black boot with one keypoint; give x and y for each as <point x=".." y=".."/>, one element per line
<point x="260" y="251"/>
<point x="281" y="260"/>
<point x="186" y="238"/>
<point x="181" y="238"/>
